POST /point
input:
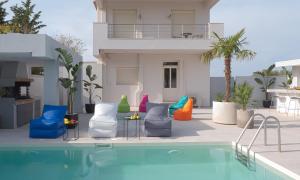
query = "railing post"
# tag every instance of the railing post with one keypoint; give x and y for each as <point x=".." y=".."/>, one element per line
<point x="134" y="31"/>
<point x="279" y="137"/>
<point x="208" y="31"/>
<point x="181" y="29"/>
<point x="158" y="31"/>
<point x="265" y="134"/>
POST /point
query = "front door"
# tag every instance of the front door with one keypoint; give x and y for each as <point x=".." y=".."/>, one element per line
<point x="171" y="76"/>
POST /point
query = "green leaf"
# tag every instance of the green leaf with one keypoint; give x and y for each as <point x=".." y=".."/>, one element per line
<point x="258" y="81"/>
<point x="88" y="71"/>
<point x="97" y="86"/>
<point x="65" y="82"/>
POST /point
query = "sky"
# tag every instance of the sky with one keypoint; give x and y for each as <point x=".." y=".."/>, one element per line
<point x="272" y="27"/>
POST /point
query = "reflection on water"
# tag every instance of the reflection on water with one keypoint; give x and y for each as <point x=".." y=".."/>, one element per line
<point x="174" y="162"/>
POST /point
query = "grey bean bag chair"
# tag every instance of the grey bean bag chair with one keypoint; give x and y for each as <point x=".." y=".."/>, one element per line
<point x="157" y="122"/>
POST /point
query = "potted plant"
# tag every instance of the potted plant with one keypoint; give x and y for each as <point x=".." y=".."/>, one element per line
<point x="243" y="93"/>
<point x="90" y="87"/>
<point x="228" y="48"/>
<point x="69" y="82"/>
<point x="266" y="80"/>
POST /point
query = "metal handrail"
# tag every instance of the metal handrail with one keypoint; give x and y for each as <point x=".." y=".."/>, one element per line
<point x="158" y="31"/>
<point x="159" y="24"/>
<point x="263" y="124"/>
<point x="278" y="132"/>
<point x="246" y="127"/>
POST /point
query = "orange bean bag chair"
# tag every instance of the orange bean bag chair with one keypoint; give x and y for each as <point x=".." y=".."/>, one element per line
<point x="185" y="114"/>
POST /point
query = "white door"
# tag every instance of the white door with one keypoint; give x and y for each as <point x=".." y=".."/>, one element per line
<point x="124" y="21"/>
<point x="182" y="22"/>
<point x="171" y="81"/>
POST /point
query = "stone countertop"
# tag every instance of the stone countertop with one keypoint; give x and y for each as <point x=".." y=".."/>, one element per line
<point x="284" y="91"/>
<point x="24" y="101"/>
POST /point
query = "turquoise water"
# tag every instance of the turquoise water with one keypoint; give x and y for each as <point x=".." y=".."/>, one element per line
<point x="128" y="162"/>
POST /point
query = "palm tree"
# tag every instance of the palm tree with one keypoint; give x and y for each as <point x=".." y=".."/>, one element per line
<point x="228" y="48"/>
<point x="25" y="20"/>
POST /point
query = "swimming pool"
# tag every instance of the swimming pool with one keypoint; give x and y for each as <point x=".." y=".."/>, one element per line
<point x="129" y="162"/>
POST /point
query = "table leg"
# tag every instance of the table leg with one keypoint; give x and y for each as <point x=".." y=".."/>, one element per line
<point x="139" y="129"/>
<point x="136" y="126"/>
<point x="78" y="131"/>
<point x="124" y="128"/>
<point x="127" y="129"/>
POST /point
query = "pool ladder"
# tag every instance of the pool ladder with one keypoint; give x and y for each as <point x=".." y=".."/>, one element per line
<point x="245" y="158"/>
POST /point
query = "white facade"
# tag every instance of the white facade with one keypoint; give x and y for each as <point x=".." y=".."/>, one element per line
<point x="153" y="47"/>
<point x="295" y="64"/>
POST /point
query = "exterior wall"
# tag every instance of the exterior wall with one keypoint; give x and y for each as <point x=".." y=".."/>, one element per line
<point x="296" y="76"/>
<point x="258" y="96"/>
<point x="193" y="77"/>
<point x="218" y="86"/>
<point x="158" y="12"/>
<point x="113" y="92"/>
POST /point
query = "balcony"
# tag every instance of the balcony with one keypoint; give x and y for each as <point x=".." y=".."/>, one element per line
<point x="154" y="37"/>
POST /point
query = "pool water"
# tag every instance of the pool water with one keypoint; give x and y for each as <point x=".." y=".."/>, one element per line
<point x="128" y="162"/>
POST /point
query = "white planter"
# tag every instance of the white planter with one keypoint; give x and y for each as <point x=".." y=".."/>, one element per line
<point x="243" y="117"/>
<point x="224" y="113"/>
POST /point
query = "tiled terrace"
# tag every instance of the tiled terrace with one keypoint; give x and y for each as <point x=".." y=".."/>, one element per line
<point x="200" y="129"/>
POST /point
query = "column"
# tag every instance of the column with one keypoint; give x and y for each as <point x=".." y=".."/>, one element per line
<point x="51" y="86"/>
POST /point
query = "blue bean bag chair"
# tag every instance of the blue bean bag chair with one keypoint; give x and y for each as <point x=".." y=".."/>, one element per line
<point x="50" y="125"/>
<point x="178" y="105"/>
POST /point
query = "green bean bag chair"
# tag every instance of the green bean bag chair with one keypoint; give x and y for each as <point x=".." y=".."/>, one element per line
<point x="123" y="105"/>
<point x="178" y="105"/>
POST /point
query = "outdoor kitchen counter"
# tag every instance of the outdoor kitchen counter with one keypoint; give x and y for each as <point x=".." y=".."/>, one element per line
<point x="284" y="91"/>
<point x="16" y="113"/>
<point x="285" y="103"/>
<point x="24" y="101"/>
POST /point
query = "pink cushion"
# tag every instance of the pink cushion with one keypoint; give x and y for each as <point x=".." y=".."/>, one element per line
<point x="142" y="107"/>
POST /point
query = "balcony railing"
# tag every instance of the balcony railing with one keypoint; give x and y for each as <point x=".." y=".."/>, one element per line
<point x="158" y="31"/>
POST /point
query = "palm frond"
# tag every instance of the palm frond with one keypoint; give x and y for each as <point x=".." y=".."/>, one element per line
<point x="245" y="54"/>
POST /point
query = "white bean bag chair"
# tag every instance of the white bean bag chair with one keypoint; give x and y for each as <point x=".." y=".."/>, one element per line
<point x="104" y="123"/>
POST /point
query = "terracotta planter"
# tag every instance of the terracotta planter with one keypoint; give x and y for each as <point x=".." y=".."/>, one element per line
<point x="224" y="113"/>
<point x="243" y="117"/>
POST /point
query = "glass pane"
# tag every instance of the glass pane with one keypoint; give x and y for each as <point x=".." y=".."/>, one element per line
<point x="173" y="78"/>
<point x="170" y="63"/>
<point x="37" y="71"/>
<point x="167" y="78"/>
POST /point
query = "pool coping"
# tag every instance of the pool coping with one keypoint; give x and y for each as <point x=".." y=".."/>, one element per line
<point x="253" y="154"/>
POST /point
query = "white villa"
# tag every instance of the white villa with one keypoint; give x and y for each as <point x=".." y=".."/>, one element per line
<point x="153" y="47"/>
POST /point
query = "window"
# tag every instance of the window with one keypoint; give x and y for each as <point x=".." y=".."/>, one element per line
<point x="127" y="76"/>
<point x="39" y="71"/>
